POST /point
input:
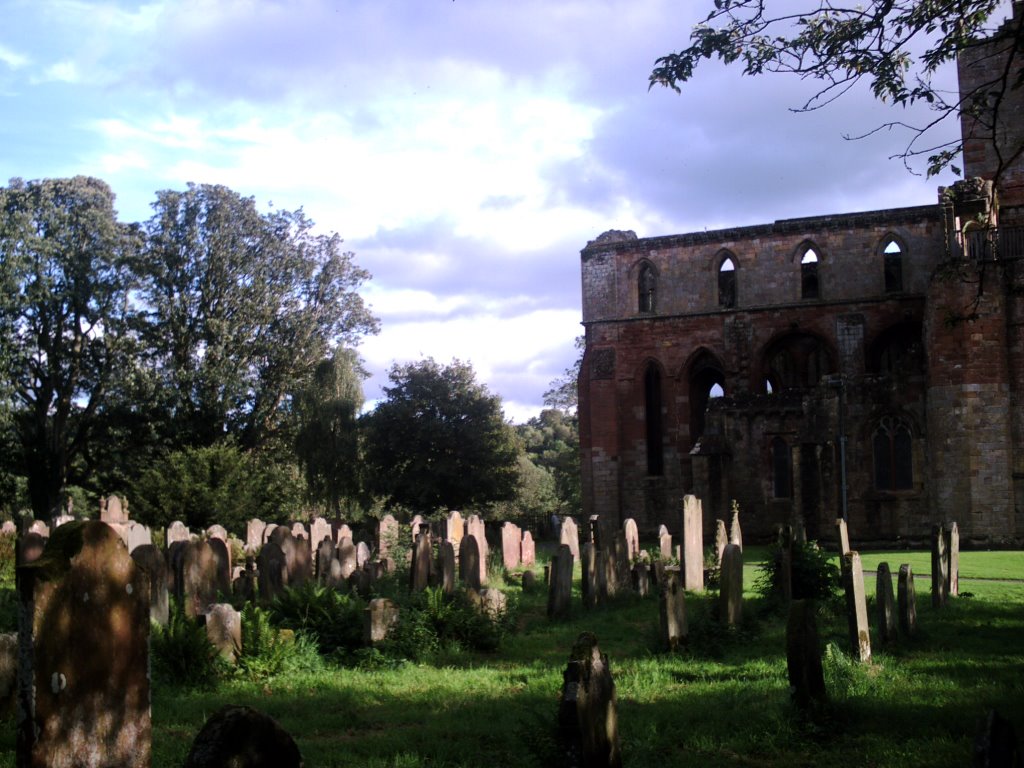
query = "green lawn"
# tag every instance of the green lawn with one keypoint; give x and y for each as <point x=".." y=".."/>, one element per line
<point x="723" y="701"/>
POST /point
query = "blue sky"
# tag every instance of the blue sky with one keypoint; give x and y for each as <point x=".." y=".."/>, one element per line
<point x="466" y="151"/>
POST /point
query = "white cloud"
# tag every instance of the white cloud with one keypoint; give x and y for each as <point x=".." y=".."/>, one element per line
<point x="65" y="71"/>
<point x="12" y="58"/>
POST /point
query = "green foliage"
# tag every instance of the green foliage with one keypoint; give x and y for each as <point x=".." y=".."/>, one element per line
<point x="897" y="46"/>
<point x="216" y="484"/>
<point x="8" y="610"/>
<point x="182" y="655"/>
<point x="552" y="443"/>
<point x="431" y="622"/>
<point x="267" y="652"/>
<point x="8" y="560"/>
<point x="334" y="621"/>
<point x="439" y="440"/>
<point x="814" y="574"/>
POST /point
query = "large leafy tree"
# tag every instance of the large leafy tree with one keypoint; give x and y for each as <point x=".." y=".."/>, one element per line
<point x="243" y="306"/>
<point x="896" y="46"/>
<point x="68" y="322"/>
<point x="439" y="440"/>
<point x="552" y="443"/>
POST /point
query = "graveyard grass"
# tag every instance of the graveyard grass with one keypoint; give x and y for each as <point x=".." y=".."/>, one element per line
<point x="721" y="701"/>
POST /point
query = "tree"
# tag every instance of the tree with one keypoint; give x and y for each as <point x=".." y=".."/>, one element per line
<point x="327" y="437"/>
<point x="897" y="46"/>
<point x="68" y="324"/>
<point x="564" y="392"/>
<point x="439" y="440"/>
<point x="552" y="443"/>
<point x="243" y="306"/>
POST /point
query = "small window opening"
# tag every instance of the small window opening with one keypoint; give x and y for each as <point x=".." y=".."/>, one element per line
<point x="647" y="285"/>
<point x="782" y="470"/>
<point x="809" y="275"/>
<point x="727" y="284"/>
<point x="892" y="445"/>
<point x="716" y="391"/>
<point x="893" y="256"/>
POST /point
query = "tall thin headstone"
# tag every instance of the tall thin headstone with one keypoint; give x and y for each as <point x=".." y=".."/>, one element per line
<point x="456" y="529"/>
<point x="906" y="601"/>
<point x="475" y="527"/>
<point x="446" y="561"/>
<point x="940" y="567"/>
<point x="151" y="560"/>
<point x="692" y="547"/>
<point x="735" y="531"/>
<point x="952" y="534"/>
<point x="632" y="538"/>
<point x="856" y="608"/>
<point x="803" y="655"/>
<point x="319" y="530"/>
<point x="721" y="540"/>
<point x="570" y="536"/>
<point x="511" y="545"/>
<point x="588" y="720"/>
<point x="254" y="535"/>
<point x="844" y="538"/>
<point x="664" y="543"/>
<point x="560" y="586"/>
<point x="528" y="549"/>
<point x="469" y="562"/>
<point x="589" y="582"/>
<point x="730" y="587"/>
<point x="885" y="604"/>
<point x="672" y="611"/>
<point x="419" y="574"/>
<point x="387" y="535"/>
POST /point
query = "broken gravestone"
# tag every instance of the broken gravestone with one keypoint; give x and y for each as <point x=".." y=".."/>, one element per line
<point x="588" y="723"/>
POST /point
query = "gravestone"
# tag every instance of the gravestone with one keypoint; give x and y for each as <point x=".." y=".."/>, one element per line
<point x="560" y="587"/>
<point x="570" y="536"/>
<point x="8" y="675"/>
<point x="940" y="567"/>
<point x="721" y="539"/>
<point x="491" y="602"/>
<point x="347" y="557"/>
<point x="8" y="528"/>
<point x="799" y="531"/>
<point x="246" y="585"/>
<point x="885" y="604"/>
<point x="175" y="561"/>
<point x="272" y="569"/>
<point x="475" y="527"/>
<point x="803" y="655"/>
<point x="84" y="692"/>
<point x="528" y="549"/>
<point x="29" y="548"/>
<point x="319" y="530"/>
<point x="222" y="556"/>
<point x="641" y="578"/>
<point x="735" y="531"/>
<point x="254" y="535"/>
<point x="906" y="601"/>
<point x="620" y="561"/>
<point x="446" y="561"/>
<point x="456" y="529"/>
<point x="511" y="545"/>
<point x="362" y="554"/>
<point x="952" y="534"/>
<point x="217" y="531"/>
<point x="588" y="578"/>
<point x="112" y="511"/>
<point x="325" y="555"/>
<point x="341" y="531"/>
<point x="665" y="544"/>
<point x="224" y="630"/>
<point x="529" y="581"/>
<point x="137" y="535"/>
<point x="632" y="538"/>
<point x="588" y="722"/>
<point x="844" y="538"/>
<point x="176" y="531"/>
<point x="419" y="574"/>
<point x="692" y="546"/>
<point x="672" y="612"/>
<point x="151" y="560"/>
<point x="197" y="589"/>
<point x="658" y="573"/>
<point x="242" y="737"/>
<point x="730" y="598"/>
<point x="379" y="617"/>
<point x="268" y="531"/>
<point x="856" y="608"/>
<point x="469" y="562"/>
<point x="996" y="744"/>
<point x="415" y="525"/>
<point x="39" y="527"/>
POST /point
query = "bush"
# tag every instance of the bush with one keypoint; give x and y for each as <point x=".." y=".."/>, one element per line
<point x="181" y="654"/>
<point x="332" y="620"/>
<point x="266" y="651"/>
<point x="814" y="575"/>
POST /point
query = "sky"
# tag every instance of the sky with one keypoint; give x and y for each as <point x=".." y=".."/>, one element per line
<point x="466" y="150"/>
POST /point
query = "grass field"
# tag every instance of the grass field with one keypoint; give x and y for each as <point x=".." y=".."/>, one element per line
<point x="723" y="701"/>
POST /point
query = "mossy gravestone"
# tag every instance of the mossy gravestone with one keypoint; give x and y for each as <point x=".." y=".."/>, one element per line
<point x="84" y="690"/>
<point x="588" y="720"/>
<point x="803" y="655"/>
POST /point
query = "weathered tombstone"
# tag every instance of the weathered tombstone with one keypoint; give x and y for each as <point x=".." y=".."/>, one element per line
<point x="175" y="561"/>
<point x="844" y="538"/>
<point x="29" y="548"/>
<point x="588" y="722"/>
<point x="996" y="745"/>
<point x="511" y="545"/>
<point x="665" y="544"/>
<point x="415" y="525"/>
<point x="446" y="561"/>
<point x="360" y="582"/>
<point x="528" y="549"/>
<point x="222" y="556"/>
<point x="8" y="528"/>
<point x="39" y="527"/>
<point x="299" y="530"/>
<point x="641" y="578"/>
<point x="730" y="598"/>
<point x="952" y="535"/>
<point x="319" y="530"/>
<point x="560" y="587"/>
<point x="885" y="604"/>
<point x="475" y="527"/>
<point x="242" y="737"/>
<point x="254" y="535"/>
<point x="197" y="588"/>
<point x="325" y="554"/>
<point x="151" y="560"/>
<point x="268" y="531"/>
<point x="658" y="573"/>
<point x="735" y="531"/>
<point x="224" y="630"/>
<point x="799" y="531"/>
<point x="84" y="692"/>
<point x="379" y="617"/>
<point x="856" y="608"/>
<point x="620" y="555"/>
<point x="692" y="561"/>
<point x="272" y="567"/>
<point x="906" y="600"/>
<point x="632" y="538"/>
<point x="246" y="585"/>
<point x="60" y="520"/>
<point x="469" y="562"/>
<point x="347" y="556"/>
<point x="176" y="531"/>
<point x="456" y="529"/>
<point x="721" y="540"/>
<point x="137" y="535"/>
<point x="387" y="535"/>
<point x="491" y="602"/>
<point x="419" y="574"/>
<point x="362" y="554"/>
<point x="529" y="581"/>
<point x="112" y="511"/>
<point x="672" y="612"/>
<point x="570" y="536"/>
<point x="217" y="531"/>
<point x="803" y="655"/>
<point x="588" y="578"/>
<point x="940" y="567"/>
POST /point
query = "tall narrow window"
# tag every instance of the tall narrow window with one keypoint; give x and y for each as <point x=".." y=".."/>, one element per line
<point x="648" y="286"/>
<point x="892" y="445"/>
<point x="809" y="275"/>
<point x="782" y="470"/>
<point x="727" y="284"/>
<point x="893" y="255"/>
<point x="652" y="418"/>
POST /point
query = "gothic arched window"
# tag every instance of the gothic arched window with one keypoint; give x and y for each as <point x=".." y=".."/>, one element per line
<point x="892" y="444"/>
<point x="647" y="284"/>
<point x="893" y="256"/>
<point x="809" y="275"/>
<point x="727" y="284"/>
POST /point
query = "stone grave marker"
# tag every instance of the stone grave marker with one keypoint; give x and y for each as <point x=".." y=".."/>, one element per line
<point x="528" y="549"/>
<point x="570" y="536"/>
<point x="222" y="557"/>
<point x="885" y="604"/>
<point x="299" y="530"/>
<point x="176" y="531"/>
<point x="217" y="531"/>
<point x="664" y="544"/>
<point x="641" y="578"/>
<point x="803" y="655"/>
<point x="940" y="567"/>
<point x="268" y="531"/>
<point x="387" y="535"/>
<point x="560" y="588"/>
<point x="362" y="554"/>
<point x="672" y="612"/>
<point x="785" y="540"/>
<point x="380" y="616"/>
<point x="996" y="744"/>
<point x="84" y="692"/>
<point x="446" y="561"/>
<point x="529" y="581"/>
<point x="731" y="586"/>
<point x="151" y="560"/>
<point x="511" y="545"/>
<point x="692" y="561"/>
<point x="952" y="535"/>
<point x="254" y="535"/>
<point x="735" y="531"/>
<point x="475" y="527"/>
<point x="137" y="535"/>
<point x="588" y="722"/>
<point x="40" y="528"/>
<point x="347" y="556"/>
<point x="721" y="539"/>
<point x="632" y="538"/>
<point x="456" y="529"/>
<point x="319" y="530"/>
<point x="197" y="589"/>
<point x="272" y="570"/>
<point x="906" y="601"/>
<point x="588" y="578"/>
<point x="469" y="562"/>
<point x="419" y="574"/>
<point x="242" y="737"/>
<point x="856" y="608"/>
<point x="30" y="547"/>
<point x="325" y="555"/>
<point x="844" y="538"/>
<point x="224" y="630"/>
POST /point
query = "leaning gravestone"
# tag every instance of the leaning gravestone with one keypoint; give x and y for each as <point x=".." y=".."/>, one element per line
<point x="735" y="531"/>
<point x="906" y="601"/>
<point x="242" y="737"/>
<point x="200" y="578"/>
<point x="665" y="544"/>
<point x="731" y="586"/>
<point x="224" y="630"/>
<point x="469" y="562"/>
<point x="362" y="554"/>
<point x="803" y="655"/>
<point x="84" y="693"/>
<point x="151" y="560"/>
<point x="570" y="536"/>
<point x="885" y="604"/>
<point x="856" y="608"/>
<point x="560" y="586"/>
<point x="672" y="612"/>
<point x="588" y="721"/>
<point x="844" y="538"/>
<point x="692" y="561"/>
